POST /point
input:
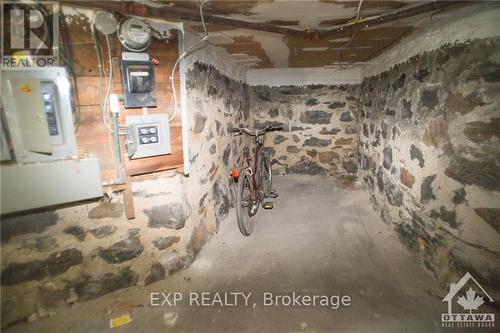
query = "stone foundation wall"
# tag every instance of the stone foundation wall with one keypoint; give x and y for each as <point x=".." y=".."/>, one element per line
<point x="430" y="154"/>
<point x="79" y="252"/>
<point x="320" y="135"/>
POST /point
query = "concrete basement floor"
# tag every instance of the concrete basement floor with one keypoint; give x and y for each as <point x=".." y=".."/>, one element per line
<point x="322" y="237"/>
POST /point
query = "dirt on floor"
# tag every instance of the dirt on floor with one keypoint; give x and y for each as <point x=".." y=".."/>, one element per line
<point x="322" y="242"/>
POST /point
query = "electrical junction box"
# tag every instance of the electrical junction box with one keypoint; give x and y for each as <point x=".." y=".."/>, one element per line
<point x="39" y="114"/>
<point x="148" y="135"/>
<point x="138" y="78"/>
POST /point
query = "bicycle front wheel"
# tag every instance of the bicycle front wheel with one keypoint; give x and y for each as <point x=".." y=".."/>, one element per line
<point x="245" y="201"/>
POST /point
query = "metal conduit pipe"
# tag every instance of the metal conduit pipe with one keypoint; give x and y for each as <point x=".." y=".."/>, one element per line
<point x="115" y="111"/>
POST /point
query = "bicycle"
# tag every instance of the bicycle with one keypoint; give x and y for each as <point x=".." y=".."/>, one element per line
<point x="254" y="179"/>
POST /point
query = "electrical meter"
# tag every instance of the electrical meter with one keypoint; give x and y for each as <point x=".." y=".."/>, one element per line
<point x="134" y="34"/>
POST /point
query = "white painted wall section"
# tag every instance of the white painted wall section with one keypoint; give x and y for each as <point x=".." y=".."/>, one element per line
<point x="212" y="55"/>
<point x="303" y="76"/>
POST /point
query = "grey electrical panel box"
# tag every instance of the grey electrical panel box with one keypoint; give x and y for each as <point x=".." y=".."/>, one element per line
<point x="4" y="148"/>
<point x="35" y="185"/>
<point x="148" y="135"/>
<point x="138" y="78"/>
<point x="39" y="114"/>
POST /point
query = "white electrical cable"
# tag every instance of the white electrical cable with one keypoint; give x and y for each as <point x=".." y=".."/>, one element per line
<point x="105" y="105"/>
<point x="101" y="70"/>
<point x="339" y="50"/>
<point x="202" y="18"/>
<point x="184" y="54"/>
<point x="103" y="77"/>
<point x="109" y="86"/>
<point x="359" y="10"/>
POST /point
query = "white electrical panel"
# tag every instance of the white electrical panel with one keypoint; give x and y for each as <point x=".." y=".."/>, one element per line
<point x="148" y="135"/>
<point x="39" y="114"/>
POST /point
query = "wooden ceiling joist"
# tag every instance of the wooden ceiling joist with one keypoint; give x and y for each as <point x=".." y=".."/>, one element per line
<point x="391" y="17"/>
<point x="176" y="13"/>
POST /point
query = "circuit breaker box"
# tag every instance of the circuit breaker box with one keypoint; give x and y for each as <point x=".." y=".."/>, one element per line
<point x="148" y="135"/>
<point x="38" y="126"/>
<point x="39" y="114"/>
<point x="138" y="78"/>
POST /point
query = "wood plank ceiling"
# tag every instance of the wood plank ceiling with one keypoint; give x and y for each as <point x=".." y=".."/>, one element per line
<point x="292" y="33"/>
<point x="311" y="46"/>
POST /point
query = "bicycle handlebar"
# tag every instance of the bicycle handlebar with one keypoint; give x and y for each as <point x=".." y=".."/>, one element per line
<point x="256" y="132"/>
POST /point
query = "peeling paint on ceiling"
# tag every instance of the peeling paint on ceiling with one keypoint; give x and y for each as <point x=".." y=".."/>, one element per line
<point x="253" y="49"/>
<point x="272" y="50"/>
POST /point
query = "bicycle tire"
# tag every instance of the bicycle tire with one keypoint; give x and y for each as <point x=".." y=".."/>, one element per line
<point x="243" y="203"/>
<point x="266" y="175"/>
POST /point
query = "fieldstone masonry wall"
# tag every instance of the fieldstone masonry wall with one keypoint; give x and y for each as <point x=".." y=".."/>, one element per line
<point x="430" y="154"/>
<point x="79" y="252"/>
<point x="424" y="136"/>
<point x="320" y="135"/>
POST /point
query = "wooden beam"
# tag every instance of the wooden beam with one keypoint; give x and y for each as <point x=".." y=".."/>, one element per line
<point x="190" y="15"/>
<point x="183" y="14"/>
<point x="390" y="17"/>
<point x="128" y="199"/>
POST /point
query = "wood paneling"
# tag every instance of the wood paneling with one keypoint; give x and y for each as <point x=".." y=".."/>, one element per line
<point x="92" y="136"/>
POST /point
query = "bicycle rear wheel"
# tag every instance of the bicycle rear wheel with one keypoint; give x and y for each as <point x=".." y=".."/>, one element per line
<point x="266" y="175"/>
<point x="244" y="202"/>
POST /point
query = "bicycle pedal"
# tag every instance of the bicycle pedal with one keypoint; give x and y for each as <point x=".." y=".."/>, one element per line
<point x="273" y="195"/>
<point x="267" y="205"/>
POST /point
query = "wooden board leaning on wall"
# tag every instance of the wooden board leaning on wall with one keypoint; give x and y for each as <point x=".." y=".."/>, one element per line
<point x="92" y="135"/>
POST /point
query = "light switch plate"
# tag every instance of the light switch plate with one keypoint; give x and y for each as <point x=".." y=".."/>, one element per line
<point x="148" y="135"/>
